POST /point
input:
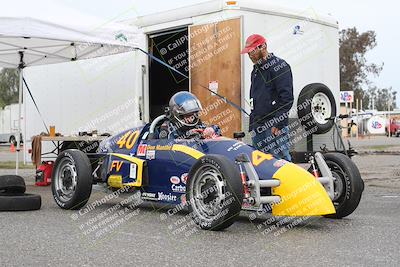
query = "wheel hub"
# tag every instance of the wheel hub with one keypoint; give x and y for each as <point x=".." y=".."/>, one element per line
<point x="65" y="179"/>
<point x="337" y="185"/>
<point x="208" y="192"/>
<point x="321" y="108"/>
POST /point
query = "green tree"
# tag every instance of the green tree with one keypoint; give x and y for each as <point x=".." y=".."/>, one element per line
<point x="9" y="81"/>
<point x="382" y="98"/>
<point x="354" y="68"/>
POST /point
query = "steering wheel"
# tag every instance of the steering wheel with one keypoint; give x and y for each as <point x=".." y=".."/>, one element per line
<point x="195" y="133"/>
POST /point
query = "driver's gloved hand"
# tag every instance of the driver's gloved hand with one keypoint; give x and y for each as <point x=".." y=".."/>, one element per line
<point x="209" y="133"/>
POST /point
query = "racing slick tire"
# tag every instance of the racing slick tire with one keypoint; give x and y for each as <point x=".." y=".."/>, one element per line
<point x="214" y="192"/>
<point x="348" y="185"/>
<point x="318" y="104"/>
<point x="19" y="202"/>
<point x="12" y="184"/>
<point x="72" y="180"/>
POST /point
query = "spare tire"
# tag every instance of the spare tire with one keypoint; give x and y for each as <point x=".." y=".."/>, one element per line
<point x="19" y="202"/>
<point x="12" y="184"/>
<point x="316" y="104"/>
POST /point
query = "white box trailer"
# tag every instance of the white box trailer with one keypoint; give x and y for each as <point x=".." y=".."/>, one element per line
<point x="9" y="123"/>
<point x="204" y="41"/>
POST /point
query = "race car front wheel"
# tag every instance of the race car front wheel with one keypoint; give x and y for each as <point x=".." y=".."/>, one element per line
<point x="214" y="192"/>
<point x="348" y="185"/>
<point x="71" y="179"/>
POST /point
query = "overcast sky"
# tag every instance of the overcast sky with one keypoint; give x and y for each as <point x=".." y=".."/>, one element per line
<point x="364" y="14"/>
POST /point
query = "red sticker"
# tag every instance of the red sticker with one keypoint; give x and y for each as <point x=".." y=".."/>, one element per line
<point x="141" y="151"/>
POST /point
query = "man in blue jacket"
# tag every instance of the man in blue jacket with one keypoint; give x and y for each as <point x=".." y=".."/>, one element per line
<point x="271" y="98"/>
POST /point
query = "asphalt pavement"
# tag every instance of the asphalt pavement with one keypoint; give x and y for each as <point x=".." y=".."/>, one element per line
<point x="122" y="231"/>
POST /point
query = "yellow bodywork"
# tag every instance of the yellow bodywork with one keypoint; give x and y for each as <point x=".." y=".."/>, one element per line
<point x="188" y="151"/>
<point x="301" y="194"/>
<point x="115" y="181"/>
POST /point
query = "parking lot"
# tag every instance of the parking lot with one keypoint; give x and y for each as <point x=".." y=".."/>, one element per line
<point x="151" y="235"/>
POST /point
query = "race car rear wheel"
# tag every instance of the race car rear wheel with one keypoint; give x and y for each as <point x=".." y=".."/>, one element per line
<point x="348" y="185"/>
<point x="71" y="179"/>
<point x="214" y="192"/>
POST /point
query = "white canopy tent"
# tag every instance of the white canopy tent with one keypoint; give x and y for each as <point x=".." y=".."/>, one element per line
<point x="29" y="41"/>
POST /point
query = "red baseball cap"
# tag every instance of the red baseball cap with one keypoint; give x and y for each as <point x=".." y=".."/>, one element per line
<point x="252" y="42"/>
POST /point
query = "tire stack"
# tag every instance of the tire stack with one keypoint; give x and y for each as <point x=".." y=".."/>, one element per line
<point x="13" y="196"/>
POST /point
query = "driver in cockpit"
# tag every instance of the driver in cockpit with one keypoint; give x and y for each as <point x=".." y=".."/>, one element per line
<point x="183" y="119"/>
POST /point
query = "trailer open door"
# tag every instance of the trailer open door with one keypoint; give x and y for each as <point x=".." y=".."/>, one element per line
<point x="215" y="62"/>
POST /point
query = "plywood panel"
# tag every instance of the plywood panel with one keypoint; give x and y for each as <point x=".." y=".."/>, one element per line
<point x="215" y="56"/>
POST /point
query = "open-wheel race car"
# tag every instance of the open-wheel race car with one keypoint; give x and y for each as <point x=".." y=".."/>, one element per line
<point x="215" y="178"/>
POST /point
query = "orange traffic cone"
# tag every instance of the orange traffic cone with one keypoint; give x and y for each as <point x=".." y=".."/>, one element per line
<point x="12" y="147"/>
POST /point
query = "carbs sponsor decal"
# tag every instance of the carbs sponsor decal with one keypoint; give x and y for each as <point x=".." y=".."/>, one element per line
<point x="178" y="188"/>
<point x="174" y="180"/>
<point x="141" y="151"/>
<point x="178" y="184"/>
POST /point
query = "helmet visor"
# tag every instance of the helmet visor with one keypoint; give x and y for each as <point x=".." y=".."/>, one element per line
<point x="190" y="106"/>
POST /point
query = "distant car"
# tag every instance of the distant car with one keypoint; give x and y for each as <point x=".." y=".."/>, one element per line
<point x="394" y="128"/>
<point x="214" y="178"/>
<point x="10" y="138"/>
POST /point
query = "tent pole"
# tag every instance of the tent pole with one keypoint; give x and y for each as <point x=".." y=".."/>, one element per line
<point x="21" y="76"/>
<point x="20" y="71"/>
<point x="24" y="132"/>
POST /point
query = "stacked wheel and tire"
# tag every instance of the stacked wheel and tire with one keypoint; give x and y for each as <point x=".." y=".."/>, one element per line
<point x="13" y="196"/>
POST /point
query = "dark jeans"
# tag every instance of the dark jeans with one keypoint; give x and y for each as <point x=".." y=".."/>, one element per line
<point x="266" y="142"/>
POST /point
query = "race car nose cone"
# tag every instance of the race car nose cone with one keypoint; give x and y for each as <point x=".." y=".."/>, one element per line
<point x="301" y="194"/>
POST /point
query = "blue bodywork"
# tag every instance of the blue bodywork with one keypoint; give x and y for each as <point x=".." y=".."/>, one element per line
<point x="167" y="168"/>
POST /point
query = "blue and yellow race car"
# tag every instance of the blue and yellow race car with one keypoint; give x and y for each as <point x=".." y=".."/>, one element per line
<point x="214" y="178"/>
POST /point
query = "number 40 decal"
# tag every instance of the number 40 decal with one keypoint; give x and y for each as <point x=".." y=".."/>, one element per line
<point x="128" y="139"/>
